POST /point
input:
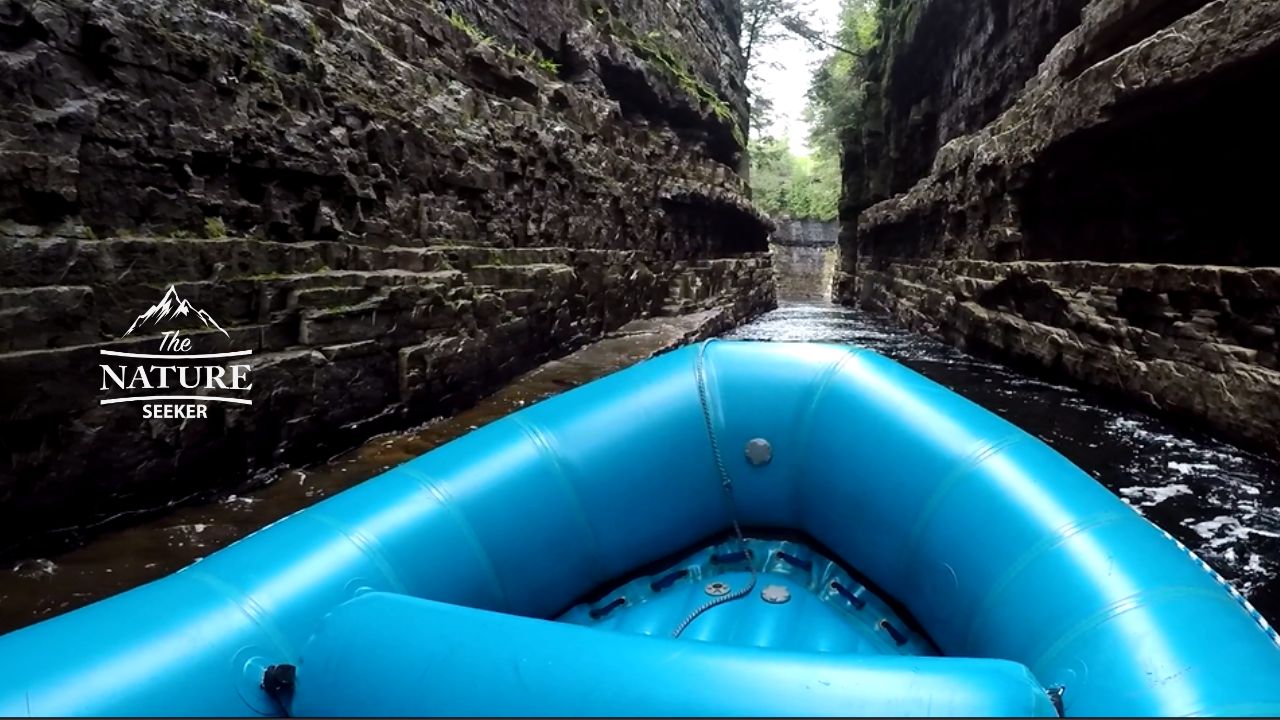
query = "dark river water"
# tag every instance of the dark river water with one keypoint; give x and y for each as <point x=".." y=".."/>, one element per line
<point x="1220" y="501"/>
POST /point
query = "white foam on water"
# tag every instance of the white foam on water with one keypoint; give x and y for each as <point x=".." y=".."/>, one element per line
<point x="1223" y="530"/>
<point x="1152" y="496"/>
<point x="191" y="529"/>
<point x="1255" y="564"/>
<point x="35" y="567"/>
<point x="238" y="500"/>
<point x="1191" y="468"/>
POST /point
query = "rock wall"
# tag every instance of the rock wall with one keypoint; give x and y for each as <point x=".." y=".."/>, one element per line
<point x="395" y="205"/>
<point x="1130" y="154"/>
<point x="1200" y="343"/>
<point x="942" y="69"/>
<point x="804" y="259"/>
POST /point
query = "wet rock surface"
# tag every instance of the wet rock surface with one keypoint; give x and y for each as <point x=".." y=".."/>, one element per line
<point x="1121" y="168"/>
<point x="1198" y="343"/>
<point x="396" y="206"/>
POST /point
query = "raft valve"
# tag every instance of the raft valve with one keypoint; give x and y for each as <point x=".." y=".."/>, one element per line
<point x="759" y="451"/>
<point x="775" y="594"/>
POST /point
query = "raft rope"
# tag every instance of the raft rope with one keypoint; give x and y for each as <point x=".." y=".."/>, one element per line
<point x="727" y="485"/>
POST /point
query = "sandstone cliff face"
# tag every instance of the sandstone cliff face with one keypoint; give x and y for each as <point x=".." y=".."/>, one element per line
<point x="395" y="205"/>
<point x="1124" y="168"/>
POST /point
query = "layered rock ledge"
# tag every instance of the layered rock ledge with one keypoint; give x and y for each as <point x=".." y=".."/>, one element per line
<point x="1198" y="342"/>
<point x="1105" y="220"/>
<point x="397" y="206"/>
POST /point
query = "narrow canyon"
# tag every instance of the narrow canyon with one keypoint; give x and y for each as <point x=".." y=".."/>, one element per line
<point x="373" y="215"/>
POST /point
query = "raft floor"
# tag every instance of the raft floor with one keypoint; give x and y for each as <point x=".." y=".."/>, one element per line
<point x="802" y="601"/>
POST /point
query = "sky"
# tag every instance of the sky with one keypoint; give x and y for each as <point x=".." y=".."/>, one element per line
<point x="787" y="80"/>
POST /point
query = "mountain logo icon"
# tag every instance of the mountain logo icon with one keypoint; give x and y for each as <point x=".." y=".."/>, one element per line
<point x="173" y="306"/>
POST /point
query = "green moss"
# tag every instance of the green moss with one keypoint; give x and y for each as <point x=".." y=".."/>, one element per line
<point x="457" y="20"/>
<point x="652" y="47"/>
<point x="259" y="48"/>
<point x="258" y="51"/>
<point x="214" y="228"/>
<point x="258" y="38"/>
<point x="532" y="58"/>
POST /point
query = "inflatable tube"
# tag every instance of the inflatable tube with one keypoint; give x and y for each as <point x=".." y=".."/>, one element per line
<point x="997" y="545"/>
<point x="391" y="655"/>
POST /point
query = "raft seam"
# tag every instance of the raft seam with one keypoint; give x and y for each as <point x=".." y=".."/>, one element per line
<point x="818" y="389"/>
<point x="984" y="451"/>
<point x="247" y="605"/>
<point x="367" y="545"/>
<point x="468" y="530"/>
<point x="1114" y="610"/>
<point x="1060" y="535"/>
<point x="539" y="437"/>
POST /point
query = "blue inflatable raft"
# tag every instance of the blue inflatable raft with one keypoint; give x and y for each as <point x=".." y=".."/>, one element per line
<point x="731" y="529"/>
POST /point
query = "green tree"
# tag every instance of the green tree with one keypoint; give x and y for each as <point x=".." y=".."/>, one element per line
<point x="787" y="185"/>
<point x="837" y="92"/>
<point x="771" y="172"/>
<point x="764" y="22"/>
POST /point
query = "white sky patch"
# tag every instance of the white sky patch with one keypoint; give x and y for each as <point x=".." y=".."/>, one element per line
<point x="786" y="69"/>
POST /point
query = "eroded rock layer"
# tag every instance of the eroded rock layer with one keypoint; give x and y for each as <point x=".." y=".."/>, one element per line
<point x="1126" y="169"/>
<point x="395" y="205"/>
